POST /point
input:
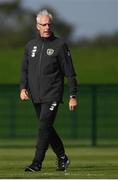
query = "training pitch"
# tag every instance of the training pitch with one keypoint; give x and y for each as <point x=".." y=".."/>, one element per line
<point x="86" y="163"/>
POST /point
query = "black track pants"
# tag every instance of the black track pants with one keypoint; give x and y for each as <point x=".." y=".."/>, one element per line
<point x="46" y="114"/>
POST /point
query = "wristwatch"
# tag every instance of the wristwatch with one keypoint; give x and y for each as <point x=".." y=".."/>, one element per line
<point x="72" y="96"/>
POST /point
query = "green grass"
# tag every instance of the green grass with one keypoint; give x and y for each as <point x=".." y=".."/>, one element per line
<point x="10" y="65"/>
<point x="92" y="65"/>
<point x="87" y="163"/>
<point x="96" y="65"/>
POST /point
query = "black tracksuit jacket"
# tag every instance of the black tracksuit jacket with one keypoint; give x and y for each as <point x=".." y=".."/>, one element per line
<point x="46" y="62"/>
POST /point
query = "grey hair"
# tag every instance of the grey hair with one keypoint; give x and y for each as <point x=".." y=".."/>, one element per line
<point x="43" y="13"/>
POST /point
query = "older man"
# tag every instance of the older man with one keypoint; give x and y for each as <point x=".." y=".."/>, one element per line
<point x="47" y="61"/>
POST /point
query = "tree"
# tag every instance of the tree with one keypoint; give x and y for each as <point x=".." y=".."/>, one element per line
<point x="18" y="24"/>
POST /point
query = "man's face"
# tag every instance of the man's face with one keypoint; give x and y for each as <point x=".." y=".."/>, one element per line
<point x="44" y="26"/>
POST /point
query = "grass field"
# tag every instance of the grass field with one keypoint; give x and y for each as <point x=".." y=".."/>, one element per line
<point x="86" y="163"/>
<point x="92" y="65"/>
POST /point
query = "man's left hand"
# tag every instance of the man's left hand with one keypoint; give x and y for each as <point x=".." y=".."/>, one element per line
<point x="72" y="103"/>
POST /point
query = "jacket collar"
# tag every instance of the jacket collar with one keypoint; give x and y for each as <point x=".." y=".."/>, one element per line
<point x="50" y="38"/>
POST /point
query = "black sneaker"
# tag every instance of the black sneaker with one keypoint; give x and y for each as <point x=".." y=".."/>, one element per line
<point x="63" y="163"/>
<point x="33" y="168"/>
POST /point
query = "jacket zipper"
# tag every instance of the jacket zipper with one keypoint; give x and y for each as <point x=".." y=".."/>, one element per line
<point x="40" y="59"/>
<point x="42" y="47"/>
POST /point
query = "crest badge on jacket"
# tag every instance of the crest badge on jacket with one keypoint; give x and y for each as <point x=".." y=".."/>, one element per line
<point x="50" y="52"/>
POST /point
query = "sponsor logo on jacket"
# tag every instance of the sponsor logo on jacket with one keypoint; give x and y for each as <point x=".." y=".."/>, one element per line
<point x="33" y="52"/>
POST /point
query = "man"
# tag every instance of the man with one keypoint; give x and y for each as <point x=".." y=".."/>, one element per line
<point x="46" y="61"/>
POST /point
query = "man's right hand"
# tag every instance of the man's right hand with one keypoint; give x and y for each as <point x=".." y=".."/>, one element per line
<point x="24" y="94"/>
